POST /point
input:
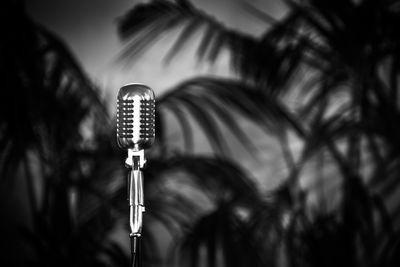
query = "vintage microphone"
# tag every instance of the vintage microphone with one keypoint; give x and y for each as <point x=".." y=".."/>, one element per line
<point x="135" y="132"/>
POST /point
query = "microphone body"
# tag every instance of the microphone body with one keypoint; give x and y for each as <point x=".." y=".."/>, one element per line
<point x="135" y="117"/>
<point x="135" y="132"/>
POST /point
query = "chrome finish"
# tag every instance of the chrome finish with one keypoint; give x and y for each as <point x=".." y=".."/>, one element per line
<point x="135" y="132"/>
<point x="135" y="117"/>
<point x="136" y="202"/>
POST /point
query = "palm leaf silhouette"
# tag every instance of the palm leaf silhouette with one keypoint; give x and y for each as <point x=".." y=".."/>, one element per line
<point x="259" y="61"/>
<point x="221" y="98"/>
<point x="47" y="100"/>
<point x="207" y="186"/>
<point x="340" y="61"/>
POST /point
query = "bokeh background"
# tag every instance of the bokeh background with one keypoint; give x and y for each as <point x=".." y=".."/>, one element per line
<point x="277" y="132"/>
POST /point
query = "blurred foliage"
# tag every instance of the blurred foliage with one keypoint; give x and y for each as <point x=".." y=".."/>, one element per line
<point x="48" y="107"/>
<point x="327" y="74"/>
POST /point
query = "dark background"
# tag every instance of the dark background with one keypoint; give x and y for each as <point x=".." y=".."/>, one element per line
<point x="277" y="132"/>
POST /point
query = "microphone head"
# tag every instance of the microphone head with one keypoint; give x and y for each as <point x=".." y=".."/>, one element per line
<point x="135" y="117"/>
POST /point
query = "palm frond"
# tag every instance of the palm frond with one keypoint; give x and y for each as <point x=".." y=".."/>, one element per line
<point x="46" y="99"/>
<point x="242" y="232"/>
<point x="145" y="21"/>
<point x="257" y="60"/>
<point x="355" y="230"/>
<point x="219" y="239"/>
<point x="208" y="99"/>
<point x="203" y="182"/>
<point x="38" y="105"/>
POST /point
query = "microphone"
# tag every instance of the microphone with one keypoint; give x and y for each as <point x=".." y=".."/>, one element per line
<point x="135" y="132"/>
<point x="135" y="117"/>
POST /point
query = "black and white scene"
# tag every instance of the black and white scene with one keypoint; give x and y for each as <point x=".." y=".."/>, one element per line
<point x="200" y="133"/>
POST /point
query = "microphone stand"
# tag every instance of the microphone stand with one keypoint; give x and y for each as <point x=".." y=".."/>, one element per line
<point x="135" y="161"/>
<point x="135" y="131"/>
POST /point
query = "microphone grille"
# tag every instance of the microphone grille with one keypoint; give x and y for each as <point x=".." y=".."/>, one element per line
<point x="135" y="117"/>
<point x="124" y="118"/>
<point x="147" y="119"/>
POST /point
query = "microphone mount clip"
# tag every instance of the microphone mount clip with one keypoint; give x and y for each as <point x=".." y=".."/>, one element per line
<point x="132" y="153"/>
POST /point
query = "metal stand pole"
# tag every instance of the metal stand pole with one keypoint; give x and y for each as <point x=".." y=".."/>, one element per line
<point x="136" y="209"/>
